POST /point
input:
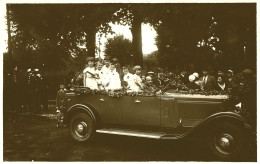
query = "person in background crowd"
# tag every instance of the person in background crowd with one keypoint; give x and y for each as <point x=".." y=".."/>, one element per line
<point x="44" y="92"/>
<point x="7" y="90"/>
<point x="230" y="75"/>
<point x="248" y="98"/>
<point x="36" y="86"/>
<point x="137" y="87"/>
<point x="149" y="86"/>
<point x="77" y="79"/>
<point x="105" y="68"/>
<point x="90" y="75"/>
<point x="128" y="79"/>
<point x="21" y="90"/>
<point x="30" y="75"/>
<point x="192" y="84"/>
<point x="220" y="73"/>
<point x="112" y="81"/>
<point x="208" y="81"/>
<point x="59" y="95"/>
<point x="221" y="85"/>
<point x="183" y="77"/>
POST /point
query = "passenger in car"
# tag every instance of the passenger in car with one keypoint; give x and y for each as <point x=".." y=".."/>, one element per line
<point x="197" y="79"/>
<point x="209" y="82"/>
<point x="101" y="76"/>
<point x="105" y="68"/>
<point x="137" y="87"/>
<point x="118" y="67"/>
<point x="192" y="84"/>
<point x="128" y="79"/>
<point x="89" y="74"/>
<point x="149" y="86"/>
<point x="112" y="80"/>
<point x="221" y="84"/>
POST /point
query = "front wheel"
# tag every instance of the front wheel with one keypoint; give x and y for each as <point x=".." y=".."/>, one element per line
<point x="226" y="141"/>
<point x="81" y="127"/>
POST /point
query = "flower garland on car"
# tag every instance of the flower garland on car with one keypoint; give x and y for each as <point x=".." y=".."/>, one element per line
<point x="237" y="90"/>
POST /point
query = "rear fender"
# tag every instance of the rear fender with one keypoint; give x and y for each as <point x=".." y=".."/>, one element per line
<point x="221" y="117"/>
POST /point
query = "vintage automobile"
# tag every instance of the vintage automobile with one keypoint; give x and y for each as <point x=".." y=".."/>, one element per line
<point x="167" y="116"/>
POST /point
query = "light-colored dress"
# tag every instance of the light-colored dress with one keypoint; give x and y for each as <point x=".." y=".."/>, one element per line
<point x="88" y="79"/>
<point x="113" y="81"/>
<point x="130" y="81"/>
<point x="101" y="79"/>
<point x="137" y="79"/>
<point x="105" y="70"/>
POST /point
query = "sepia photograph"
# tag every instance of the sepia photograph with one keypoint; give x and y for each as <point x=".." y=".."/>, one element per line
<point x="129" y="81"/>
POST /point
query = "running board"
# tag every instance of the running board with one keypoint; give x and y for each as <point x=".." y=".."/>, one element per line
<point x="154" y="135"/>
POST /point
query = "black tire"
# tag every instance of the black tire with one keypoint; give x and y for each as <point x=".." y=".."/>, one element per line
<point x="81" y="127"/>
<point x="226" y="142"/>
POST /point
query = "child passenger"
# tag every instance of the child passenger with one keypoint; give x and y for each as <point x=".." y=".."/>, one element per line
<point x="128" y="79"/>
<point x="137" y="85"/>
<point x="101" y="76"/>
<point x="112" y="81"/>
<point x="89" y="74"/>
<point x="106" y="68"/>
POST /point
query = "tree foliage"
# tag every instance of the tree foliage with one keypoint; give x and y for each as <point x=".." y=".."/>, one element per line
<point x="121" y="48"/>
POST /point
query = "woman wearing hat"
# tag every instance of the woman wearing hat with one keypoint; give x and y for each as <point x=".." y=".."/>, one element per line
<point x="89" y="73"/>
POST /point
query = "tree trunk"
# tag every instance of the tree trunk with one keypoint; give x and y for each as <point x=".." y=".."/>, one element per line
<point x="137" y="39"/>
<point x="8" y="29"/>
<point x="91" y="43"/>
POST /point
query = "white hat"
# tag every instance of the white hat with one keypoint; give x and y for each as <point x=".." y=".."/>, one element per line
<point x="196" y="74"/>
<point x="230" y="71"/>
<point x="192" y="78"/>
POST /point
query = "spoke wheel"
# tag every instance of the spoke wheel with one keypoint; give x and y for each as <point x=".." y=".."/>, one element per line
<point x="81" y="127"/>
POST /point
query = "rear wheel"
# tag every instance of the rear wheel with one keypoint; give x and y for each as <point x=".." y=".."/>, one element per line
<point x="226" y="141"/>
<point x="81" y="127"/>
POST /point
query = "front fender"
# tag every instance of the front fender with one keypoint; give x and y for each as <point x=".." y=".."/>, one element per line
<point x="77" y="108"/>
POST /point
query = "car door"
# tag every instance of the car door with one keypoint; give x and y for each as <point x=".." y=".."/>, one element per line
<point x="193" y="109"/>
<point x="141" y="110"/>
<point x="110" y="109"/>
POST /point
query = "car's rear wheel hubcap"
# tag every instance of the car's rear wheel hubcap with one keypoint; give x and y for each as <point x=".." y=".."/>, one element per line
<point x="224" y="143"/>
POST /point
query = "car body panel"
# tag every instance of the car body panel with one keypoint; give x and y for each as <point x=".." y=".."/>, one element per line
<point x="175" y="111"/>
<point x="110" y="109"/>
